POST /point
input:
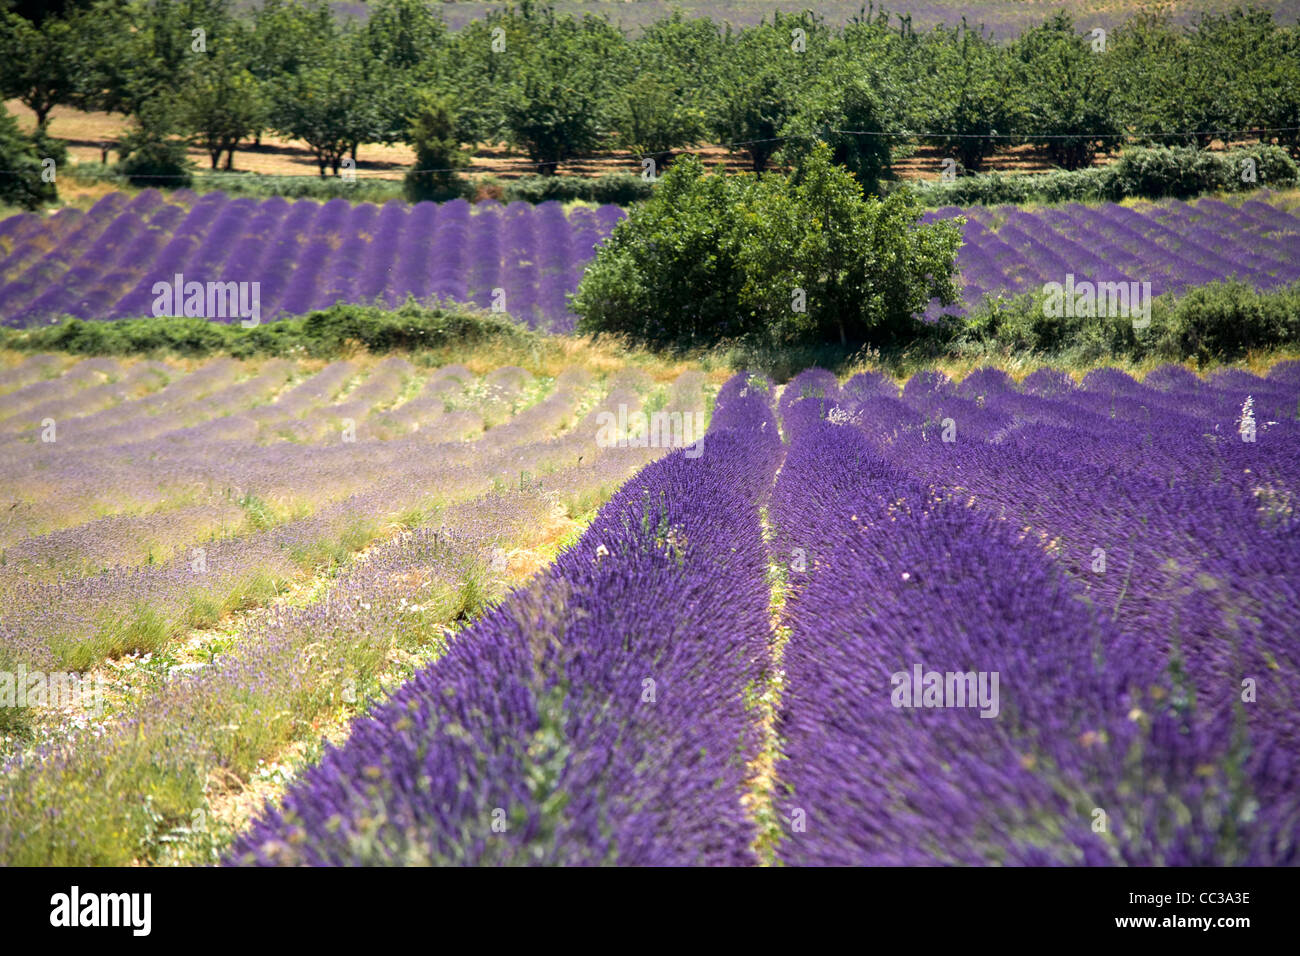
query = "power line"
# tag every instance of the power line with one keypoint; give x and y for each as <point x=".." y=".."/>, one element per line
<point x="357" y="175"/>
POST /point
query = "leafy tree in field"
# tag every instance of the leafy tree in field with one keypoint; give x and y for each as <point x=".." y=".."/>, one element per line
<point x="1275" y="106"/>
<point x="220" y="103"/>
<point x="857" y="118"/>
<point x="788" y="260"/>
<point x="1063" y="89"/>
<point x="548" y="115"/>
<point x="764" y="82"/>
<point x="330" y="103"/>
<point x="865" y="267"/>
<point x="438" y="153"/>
<point x="653" y="118"/>
<point x="40" y="65"/>
<point x="670" y="274"/>
<point x="664" y="105"/>
<point x="24" y="186"/>
<point x="965" y="92"/>
<point x="149" y="155"/>
<point x="402" y="39"/>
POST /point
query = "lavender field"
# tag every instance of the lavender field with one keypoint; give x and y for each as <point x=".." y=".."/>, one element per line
<point x="737" y="652"/>
<point x="1116" y="556"/>
<point x="103" y="264"/>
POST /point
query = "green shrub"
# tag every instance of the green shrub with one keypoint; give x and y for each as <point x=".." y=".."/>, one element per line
<point x="22" y="184"/>
<point x="620" y="189"/>
<point x="790" y="260"/>
<point x="438" y="153"/>
<point x="150" y="157"/>
<point x="1218" y="321"/>
<point x="1145" y="173"/>
<point x="325" y="333"/>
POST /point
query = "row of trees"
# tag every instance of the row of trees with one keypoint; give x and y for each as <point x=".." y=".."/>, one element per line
<point x="557" y="87"/>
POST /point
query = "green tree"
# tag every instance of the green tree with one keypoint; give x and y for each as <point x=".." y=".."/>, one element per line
<point x="782" y="259"/>
<point x="549" y="112"/>
<point x="220" y="104"/>
<point x="861" y="268"/>
<point x="1064" y="89"/>
<point x="857" y="118"/>
<point x="148" y="153"/>
<point x="964" y="94"/>
<point x="670" y="273"/>
<point x="653" y="118"/>
<point x="329" y="103"/>
<point x="767" y="75"/>
<point x="438" y="153"/>
<point x="23" y="184"/>
<point x="39" y="65"/>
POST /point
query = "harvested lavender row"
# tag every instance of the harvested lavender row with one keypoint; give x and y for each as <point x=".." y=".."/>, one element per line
<point x="575" y="724"/>
<point x="950" y="699"/>
<point x="76" y="621"/>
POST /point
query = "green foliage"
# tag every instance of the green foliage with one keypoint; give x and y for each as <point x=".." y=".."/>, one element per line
<point x="438" y="153"/>
<point x="964" y="91"/>
<point x="220" y="104"/>
<point x="670" y="273"/>
<point x="24" y="186"/>
<point x="40" y="65"/>
<point x="864" y="269"/>
<point x="786" y="260"/>
<point x="859" y="106"/>
<point x="323" y="333"/>
<point x="149" y="156"/>
<point x="1063" y="89"/>
<point x="1218" y="321"/>
<point x="768" y="73"/>
<point x="551" y="110"/>
<point x="1149" y="173"/>
<point x="653" y="118"/>
<point x="620" y="189"/>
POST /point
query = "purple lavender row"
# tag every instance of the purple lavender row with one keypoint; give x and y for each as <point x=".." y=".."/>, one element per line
<point x="576" y="723"/>
<point x="1081" y="752"/>
<point x="1194" y="568"/>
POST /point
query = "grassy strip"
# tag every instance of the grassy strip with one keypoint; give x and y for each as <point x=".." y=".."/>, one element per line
<point x="328" y="333"/>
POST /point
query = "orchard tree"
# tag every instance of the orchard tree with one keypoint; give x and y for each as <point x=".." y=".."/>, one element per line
<point x="768" y="72"/>
<point x="856" y="118"/>
<point x="221" y="103"/>
<point x="330" y="104"/>
<point x="1064" y="89"/>
<point x="964" y="94"/>
<point x="41" y="65"/>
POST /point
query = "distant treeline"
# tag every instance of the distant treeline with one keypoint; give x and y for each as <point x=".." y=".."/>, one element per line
<point x="558" y="87"/>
